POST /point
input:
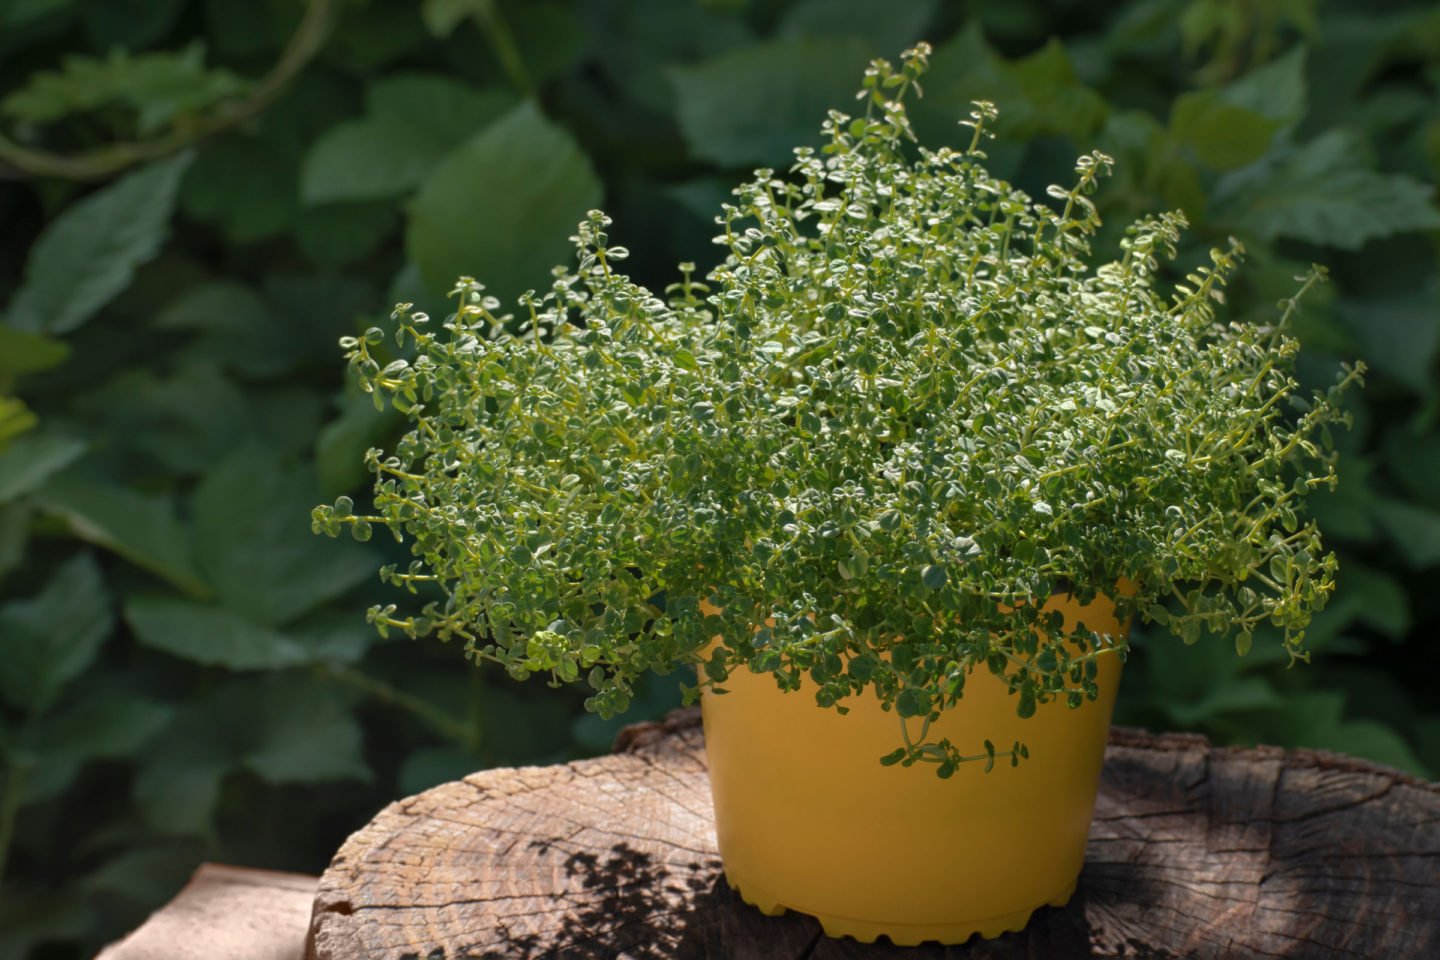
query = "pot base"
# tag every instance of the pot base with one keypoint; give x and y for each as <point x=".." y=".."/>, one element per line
<point x="901" y="934"/>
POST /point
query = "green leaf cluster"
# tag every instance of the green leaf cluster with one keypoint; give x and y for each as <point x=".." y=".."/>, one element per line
<point x="910" y="406"/>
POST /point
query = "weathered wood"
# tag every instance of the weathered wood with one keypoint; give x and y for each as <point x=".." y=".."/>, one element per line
<point x="1196" y="851"/>
<point x="226" y="913"/>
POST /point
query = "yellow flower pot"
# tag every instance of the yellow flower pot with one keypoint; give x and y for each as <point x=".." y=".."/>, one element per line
<point x="809" y="820"/>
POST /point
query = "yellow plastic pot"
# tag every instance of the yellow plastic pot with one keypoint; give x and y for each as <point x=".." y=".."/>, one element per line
<point x="809" y="820"/>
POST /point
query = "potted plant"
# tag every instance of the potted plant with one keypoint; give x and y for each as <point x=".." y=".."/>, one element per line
<point x="895" y="478"/>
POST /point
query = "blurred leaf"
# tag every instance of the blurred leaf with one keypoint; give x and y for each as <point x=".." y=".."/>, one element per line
<point x="284" y="727"/>
<point x="1222" y="135"/>
<point x="1415" y="530"/>
<point x="443" y="16"/>
<point x="1315" y="719"/>
<point x="32" y="917"/>
<point x="22" y="353"/>
<point x="306" y="734"/>
<point x="156" y="87"/>
<point x="208" y="634"/>
<point x="112" y="728"/>
<point x="413" y="121"/>
<point x="15" y="419"/>
<point x="246" y="182"/>
<point x="337" y="234"/>
<point x="178" y="778"/>
<point x="1241" y="695"/>
<point x="341" y="445"/>
<point x="753" y="105"/>
<point x="1380" y="600"/>
<point x="1055" y="101"/>
<point x="522" y="176"/>
<point x="549" y="36"/>
<point x="1323" y="193"/>
<point x="888" y="28"/>
<point x="236" y="329"/>
<point x="18" y="12"/>
<point x="253" y="539"/>
<point x="28" y="461"/>
<point x="14" y="534"/>
<point x="1345" y="513"/>
<point x="185" y="421"/>
<point x="50" y="639"/>
<point x="1231" y="126"/>
<point x="130" y="24"/>
<point x="333" y="636"/>
<point x="147" y="875"/>
<point x="89" y="253"/>
<point x="258" y="28"/>
<point x="1413" y="458"/>
<point x="637" y="43"/>
<point x="372" y="35"/>
<point x="1038" y="95"/>
<point x="243" y="186"/>
<point x="140" y="527"/>
<point x="288" y="417"/>
<point x="432" y="766"/>
<point x="1373" y="741"/>
<point x="1275" y="91"/>
<point x="102" y="729"/>
<point x="1398" y="334"/>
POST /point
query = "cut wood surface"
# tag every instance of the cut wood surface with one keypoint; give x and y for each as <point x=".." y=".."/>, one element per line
<point x="226" y="913"/>
<point x="1196" y="851"/>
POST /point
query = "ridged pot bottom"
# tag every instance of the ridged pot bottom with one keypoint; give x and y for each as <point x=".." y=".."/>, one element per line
<point x="901" y="934"/>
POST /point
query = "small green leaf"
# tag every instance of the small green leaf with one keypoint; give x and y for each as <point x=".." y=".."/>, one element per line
<point x="1243" y="643"/>
<point x="893" y="757"/>
<point x="933" y="576"/>
<point x="912" y="702"/>
<point x="1025" y="709"/>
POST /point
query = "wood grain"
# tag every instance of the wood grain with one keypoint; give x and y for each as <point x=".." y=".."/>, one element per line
<point x="1196" y="851"/>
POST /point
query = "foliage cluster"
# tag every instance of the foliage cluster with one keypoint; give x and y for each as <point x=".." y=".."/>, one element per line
<point x="907" y="415"/>
<point x="199" y="197"/>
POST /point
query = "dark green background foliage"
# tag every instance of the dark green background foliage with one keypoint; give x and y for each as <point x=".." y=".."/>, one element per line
<point x="185" y="671"/>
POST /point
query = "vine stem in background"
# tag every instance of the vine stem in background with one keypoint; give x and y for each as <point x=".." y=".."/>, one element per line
<point x="492" y="24"/>
<point x="438" y="720"/>
<point x="18" y="161"/>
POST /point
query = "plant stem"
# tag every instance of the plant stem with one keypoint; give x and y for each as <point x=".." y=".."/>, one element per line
<point x="438" y="720"/>
<point x="17" y="160"/>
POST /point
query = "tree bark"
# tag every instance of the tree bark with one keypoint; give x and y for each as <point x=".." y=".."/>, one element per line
<point x="1195" y="851"/>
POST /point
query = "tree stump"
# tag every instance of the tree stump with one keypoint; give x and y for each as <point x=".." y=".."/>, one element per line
<point x="1195" y="851"/>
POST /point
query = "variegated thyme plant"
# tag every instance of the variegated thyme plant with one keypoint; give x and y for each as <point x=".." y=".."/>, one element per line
<point x="902" y="413"/>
